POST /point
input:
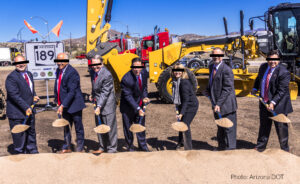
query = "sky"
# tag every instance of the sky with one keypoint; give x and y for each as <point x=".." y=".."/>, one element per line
<point x="203" y="17"/>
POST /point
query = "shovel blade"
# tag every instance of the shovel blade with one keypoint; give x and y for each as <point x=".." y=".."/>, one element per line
<point x="102" y="129"/>
<point x="19" y="128"/>
<point x="224" y="122"/>
<point x="280" y="118"/>
<point x="60" y="123"/>
<point x="180" y="126"/>
<point x="137" y="128"/>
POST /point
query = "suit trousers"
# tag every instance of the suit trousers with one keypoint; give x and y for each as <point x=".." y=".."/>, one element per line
<point x="75" y="118"/>
<point x="109" y="141"/>
<point x="265" y="129"/>
<point x="128" y="120"/>
<point x="187" y="118"/>
<point x="227" y="136"/>
<point x="24" y="142"/>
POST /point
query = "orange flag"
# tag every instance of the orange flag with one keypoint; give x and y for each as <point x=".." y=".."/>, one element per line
<point x="56" y="29"/>
<point x="30" y="27"/>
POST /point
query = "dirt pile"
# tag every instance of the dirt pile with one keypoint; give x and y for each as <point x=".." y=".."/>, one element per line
<point x="239" y="166"/>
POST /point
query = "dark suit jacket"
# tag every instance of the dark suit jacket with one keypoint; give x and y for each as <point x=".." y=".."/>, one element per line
<point x="131" y="93"/>
<point x="189" y="101"/>
<point x="19" y="95"/>
<point x="278" y="88"/>
<point x="221" y="90"/>
<point x="70" y="92"/>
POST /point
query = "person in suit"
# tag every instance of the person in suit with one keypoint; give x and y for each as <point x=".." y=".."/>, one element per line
<point x="20" y="96"/>
<point x="70" y="101"/>
<point x="273" y="83"/>
<point x="103" y="94"/>
<point x="133" y="96"/>
<point x="186" y="102"/>
<point x="221" y="92"/>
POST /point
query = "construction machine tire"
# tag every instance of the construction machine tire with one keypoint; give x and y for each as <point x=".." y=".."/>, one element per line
<point x="164" y="84"/>
<point x="2" y="104"/>
<point x="195" y="63"/>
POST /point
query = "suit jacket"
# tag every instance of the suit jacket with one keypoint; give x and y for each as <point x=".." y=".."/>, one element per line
<point x="131" y="93"/>
<point x="278" y="88"/>
<point x="221" y="89"/>
<point x="189" y="101"/>
<point x="70" y="93"/>
<point x="19" y="95"/>
<point x="104" y="92"/>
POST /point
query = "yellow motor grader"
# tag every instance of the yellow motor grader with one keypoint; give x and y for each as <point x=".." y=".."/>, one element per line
<point x="282" y="30"/>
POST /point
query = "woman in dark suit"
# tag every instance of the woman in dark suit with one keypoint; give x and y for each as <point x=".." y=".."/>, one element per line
<point x="186" y="103"/>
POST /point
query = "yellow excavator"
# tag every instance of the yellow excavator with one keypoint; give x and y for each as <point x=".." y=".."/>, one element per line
<point x="282" y="30"/>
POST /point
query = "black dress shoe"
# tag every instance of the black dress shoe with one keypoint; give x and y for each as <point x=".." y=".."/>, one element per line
<point x="179" y="145"/>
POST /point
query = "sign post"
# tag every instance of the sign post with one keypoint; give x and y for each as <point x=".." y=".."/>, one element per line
<point x="41" y="57"/>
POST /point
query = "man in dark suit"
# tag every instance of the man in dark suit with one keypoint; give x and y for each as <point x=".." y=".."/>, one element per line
<point x="103" y="94"/>
<point x="273" y="83"/>
<point x="20" y="96"/>
<point x="70" y="101"/>
<point x="222" y="95"/>
<point x="134" y="93"/>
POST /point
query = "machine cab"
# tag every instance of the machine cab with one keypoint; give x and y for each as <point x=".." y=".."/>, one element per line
<point x="284" y="21"/>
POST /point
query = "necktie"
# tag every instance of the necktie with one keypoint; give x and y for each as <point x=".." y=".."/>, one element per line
<point x="58" y="87"/>
<point x="140" y="86"/>
<point x="27" y="79"/>
<point x="215" y="71"/>
<point x="266" y="92"/>
<point x="96" y="77"/>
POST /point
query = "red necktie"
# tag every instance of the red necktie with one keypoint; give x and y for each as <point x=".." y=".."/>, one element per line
<point x="140" y="85"/>
<point x="266" y="92"/>
<point x="96" y="77"/>
<point x="58" y="88"/>
<point x="27" y="80"/>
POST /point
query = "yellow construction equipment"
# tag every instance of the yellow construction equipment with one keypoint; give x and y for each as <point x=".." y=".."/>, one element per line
<point x="161" y="60"/>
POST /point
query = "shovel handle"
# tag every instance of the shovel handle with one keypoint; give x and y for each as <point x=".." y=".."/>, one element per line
<point x="144" y="109"/>
<point x="97" y="115"/>
<point x="27" y="115"/>
<point x="219" y="115"/>
<point x="265" y="104"/>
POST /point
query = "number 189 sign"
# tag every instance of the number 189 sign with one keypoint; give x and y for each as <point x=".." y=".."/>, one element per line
<point x="41" y="57"/>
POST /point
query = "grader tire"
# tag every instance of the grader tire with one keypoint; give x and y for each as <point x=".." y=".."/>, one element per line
<point x="2" y="104"/>
<point x="164" y="85"/>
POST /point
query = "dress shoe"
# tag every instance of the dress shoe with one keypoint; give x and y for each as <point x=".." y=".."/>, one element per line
<point x="146" y="149"/>
<point x="66" y="151"/>
<point x="179" y="145"/>
<point x="97" y="152"/>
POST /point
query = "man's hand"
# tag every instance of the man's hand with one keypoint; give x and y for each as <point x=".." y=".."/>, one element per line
<point x="179" y="116"/>
<point x="253" y="92"/>
<point x="141" y="112"/>
<point x="28" y="111"/>
<point x="270" y="107"/>
<point x="97" y="111"/>
<point x="60" y="110"/>
<point x="146" y="100"/>
<point x="217" y="108"/>
<point x="91" y="98"/>
<point x="36" y="98"/>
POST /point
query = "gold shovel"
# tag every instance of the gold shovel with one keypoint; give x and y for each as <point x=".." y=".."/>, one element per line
<point x="22" y="127"/>
<point x="222" y="122"/>
<point x="101" y="128"/>
<point x="179" y="126"/>
<point x="276" y="117"/>
<point x="60" y="122"/>
<point x="137" y="127"/>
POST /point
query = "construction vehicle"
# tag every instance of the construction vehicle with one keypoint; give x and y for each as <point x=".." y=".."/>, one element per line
<point x="7" y="55"/>
<point x="154" y="42"/>
<point x="2" y="104"/>
<point x="161" y="60"/>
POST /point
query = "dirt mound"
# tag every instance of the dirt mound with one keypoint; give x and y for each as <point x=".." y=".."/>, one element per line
<point x="239" y="166"/>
